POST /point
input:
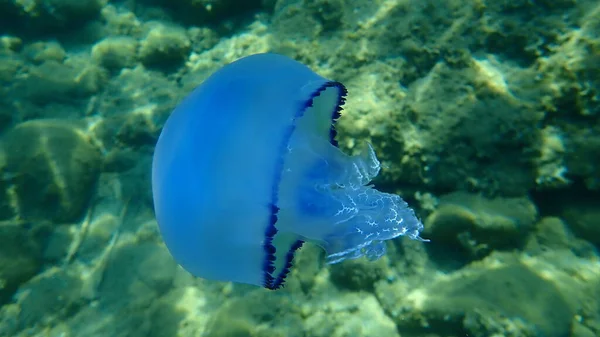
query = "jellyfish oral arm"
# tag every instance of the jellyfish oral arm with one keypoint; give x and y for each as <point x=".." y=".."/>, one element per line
<point x="330" y="202"/>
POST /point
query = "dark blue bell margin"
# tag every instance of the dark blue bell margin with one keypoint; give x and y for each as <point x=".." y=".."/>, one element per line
<point x="269" y="281"/>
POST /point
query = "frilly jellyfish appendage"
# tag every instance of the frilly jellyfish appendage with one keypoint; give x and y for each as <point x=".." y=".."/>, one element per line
<point x="331" y="203"/>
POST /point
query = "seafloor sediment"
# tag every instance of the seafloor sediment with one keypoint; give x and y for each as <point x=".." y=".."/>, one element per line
<point x="485" y="115"/>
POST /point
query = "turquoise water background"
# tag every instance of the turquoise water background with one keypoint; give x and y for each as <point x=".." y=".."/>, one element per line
<point x="485" y="115"/>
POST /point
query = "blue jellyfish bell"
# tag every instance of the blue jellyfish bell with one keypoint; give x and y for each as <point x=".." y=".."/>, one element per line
<point x="247" y="169"/>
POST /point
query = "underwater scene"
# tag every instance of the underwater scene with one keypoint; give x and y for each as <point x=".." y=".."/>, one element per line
<point x="300" y="168"/>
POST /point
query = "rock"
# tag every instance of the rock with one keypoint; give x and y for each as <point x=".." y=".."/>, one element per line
<point x="115" y="53"/>
<point x="584" y="151"/>
<point x="351" y="314"/>
<point x="359" y="274"/>
<point x="164" y="46"/>
<point x="49" y="297"/>
<point x="58" y="243"/>
<point x="502" y="295"/>
<point x="327" y="12"/>
<point x="40" y="18"/>
<point x="257" y="314"/>
<point x="550" y="165"/>
<point x="40" y="52"/>
<point x="583" y="218"/>
<point x="202" y="39"/>
<point x="53" y="81"/>
<point x="550" y="234"/>
<point x="580" y="330"/>
<point x="120" y="160"/>
<point x="9" y="68"/>
<point x="479" y="224"/>
<point x="138" y="272"/>
<point x="203" y="12"/>
<point x="50" y="170"/>
<point x="20" y="256"/>
<point x="138" y="129"/>
<point x="11" y="43"/>
<point x="463" y="129"/>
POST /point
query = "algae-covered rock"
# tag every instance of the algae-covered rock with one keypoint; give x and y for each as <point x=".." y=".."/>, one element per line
<point x="51" y="167"/>
<point x="256" y="314"/>
<point x="115" y="53"/>
<point x="202" y="39"/>
<point x="10" y="43"/>
<point x="292" y="315"/>
<point x="583" y="218"/>
<point x="502" y="295"/>
<point x="584" y="152"/>
<point x="513" y="289"/>
<point x="11" y="64"/>
<point x="480" y="225"/>
<point x="470" y="129"/>
<point x="572" y="83"/>
<point x="120" y="21"/>
<point x="120" y="160"/>
<point x="202" y="12"/>
<point x="165" y="46"/>
<point x="145" y="268"/>
<point x="292" y="20"/>
<point x="48" y="298"/>
<point x="40" y="52"/>
<point x="38" y="17"/>
<point x="9" y="67"/>
<point x="550" y="166"/>
<point x="53" y="81"/>
<point x="524" y="30"/>
<point x="231" y="326"/>
<point x="359" y="274"/>
<point x="327" y="12"/>
<point x="350" y="314"/>
<point x="138" y="129"/>
<point x="308" y="263"/>
<point x="147" y="96"/>
<point x="580" y="330"/>
<point x="550" y="233"/>
<point x="20" y="256"/>
<point x="315" y="16"/>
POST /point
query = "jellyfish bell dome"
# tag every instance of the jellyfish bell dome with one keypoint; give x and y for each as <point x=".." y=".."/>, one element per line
<point x="247" y="169"/>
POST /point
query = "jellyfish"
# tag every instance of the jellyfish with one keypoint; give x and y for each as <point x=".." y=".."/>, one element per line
<point x="247" y="169"/>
